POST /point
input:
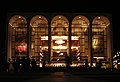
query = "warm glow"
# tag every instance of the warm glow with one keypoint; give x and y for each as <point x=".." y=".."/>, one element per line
<point x="79" y="17"/>
<point x="58" y="51"/>
<point x="41" y="54"/>
<point x="74" y="37"/>
<point x="19" y="17"/>
<point x="22" y="47"/>
<point x="59" y="41"/>
<point x="59" y="47"/>
<point x="95" y="42"/>
<point x="32" y="45"/>
<point x="39" y="16"/>
<point x="74" y="47"/>
<point x="61" y="54"/>
<point x="85" y="29"/>
<point x="78" y="54"/>
<point x="44" y="37"/>
<point x="59" y="37"/>
<point x="58" y="59"/>
<point x="59" y="16"/>
<point x="44" y="47"/>
<point x="98" y="17"/>
<point x="57" y="65"/>
<point x="99" y="57"/>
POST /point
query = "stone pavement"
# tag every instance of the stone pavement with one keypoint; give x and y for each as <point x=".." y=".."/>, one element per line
<point x="58" y="77"/>
<point x="62" y="77"/>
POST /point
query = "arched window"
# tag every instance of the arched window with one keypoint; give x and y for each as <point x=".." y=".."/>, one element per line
<point x="59" y="38"/>
<point x="79" y="38"/>
<point x="17" y="36"/>
<point x="39" y="37"/>
<point x="100" y="38"/>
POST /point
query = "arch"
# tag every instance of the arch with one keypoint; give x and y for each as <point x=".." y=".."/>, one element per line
<point x="39" y="37"/>
<point x="17" y="20"/>
<point x="104" y="20"/>
<point x="79" y="38"/>
<point x="100" y="38"/>
<point x="38" y="20"/>
<point x="59" y="38"/>
<point x="59" y="21"/>
<point x="80" y="18"/>
<point x="17" y="36"/>
<point x="59" y="17"/>
<point x="80" y="22"/>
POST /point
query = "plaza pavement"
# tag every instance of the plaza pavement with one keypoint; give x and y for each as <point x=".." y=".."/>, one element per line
<point x="60" y="77"/>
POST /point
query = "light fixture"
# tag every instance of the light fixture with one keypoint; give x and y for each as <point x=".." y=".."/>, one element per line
<point x="59" y="41"/>
<point x="59" y="47"/>
<point x="61" y="54"/>
<point x="58" y="59"/>
<point x="98" y="17"/>
<point x="74" y="47"/>
<point x="79" y="17"/>
<point x="59" y="37"/>
<point x="59" y="16"/>
<point x="58" y="51"/>
<point x="39" y="16"/>
<point x="19" y="17"/>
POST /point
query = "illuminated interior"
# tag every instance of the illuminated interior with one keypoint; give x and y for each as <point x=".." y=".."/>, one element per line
<point x="58" y="37"/>
<point x="79" y="38"/>
<point x="100" y="27"/>
<point x="39" y="38"/>
<point x="18" y="36"/>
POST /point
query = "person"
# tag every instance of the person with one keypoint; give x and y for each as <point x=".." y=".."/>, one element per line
<point x="11" y="67"/>
<point x="18" y="64"/>
<point x="14" y="65"/>
<point x="44" y="61"/>
<point x="68" y="63"/>
<point x="33" y="63"/>
<point x="23" y="64"/>
<point x="6" y="66"/>
<point x="86" y="63"/>
<point x="27" y="64"/>
<point x="98" y="65"/>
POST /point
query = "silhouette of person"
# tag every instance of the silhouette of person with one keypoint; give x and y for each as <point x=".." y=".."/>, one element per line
<point x="23" y="64"/>
<point x="27" y="64"/>
<point x="44" y="61"/>
<point x="11" y="67"/>
<point x="98" y="65"/>
<point x="33" y="63"/>
<point x="86" y="63"/>
<point x="68" y="61"/>
<point x="18" y="64"/>
<point x="14" y="65"/>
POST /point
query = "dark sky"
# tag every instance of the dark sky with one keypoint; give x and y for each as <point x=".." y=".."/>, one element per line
<point x="69" y="6"/>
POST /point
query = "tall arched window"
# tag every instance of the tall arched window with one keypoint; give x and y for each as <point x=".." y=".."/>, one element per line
<point x="79" y="38"/>
<point x="100" y="39"/>
<point x="59" y="38"/>
<point x="39" y="37"/>
<point x="17" y="36"/>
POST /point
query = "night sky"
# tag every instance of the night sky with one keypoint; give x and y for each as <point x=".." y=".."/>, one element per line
<point x="65" y="6"/>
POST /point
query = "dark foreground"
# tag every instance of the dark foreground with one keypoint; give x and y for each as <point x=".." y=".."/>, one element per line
<point x="61" y="75"/>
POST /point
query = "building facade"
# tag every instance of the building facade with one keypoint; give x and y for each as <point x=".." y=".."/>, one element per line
<point x="53" y="36"/>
